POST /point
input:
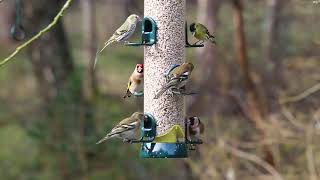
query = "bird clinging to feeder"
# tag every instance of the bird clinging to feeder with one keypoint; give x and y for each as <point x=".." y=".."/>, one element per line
<point x="135" y="83"/>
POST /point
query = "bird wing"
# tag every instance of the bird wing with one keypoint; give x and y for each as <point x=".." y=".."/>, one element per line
<point x="124" y="31"/>
<point x="124" y="125"/>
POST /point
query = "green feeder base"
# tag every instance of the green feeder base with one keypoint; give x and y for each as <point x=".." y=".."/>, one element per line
<point x="164" y="150"/>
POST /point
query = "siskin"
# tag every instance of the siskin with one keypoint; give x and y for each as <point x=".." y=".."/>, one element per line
<point x="201" y="33"/>
<point x="177" y="79"/>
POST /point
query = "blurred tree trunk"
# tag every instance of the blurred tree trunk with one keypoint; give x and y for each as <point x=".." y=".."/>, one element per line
<point x="89" y="45"/>
<point x="117" y="14"/>
<point x="209" y="69"/>
<point x="255" y="108"/>
<point x="274" y="48"/>
<point x="273" y="20"/>
<point x="60" y="88"/>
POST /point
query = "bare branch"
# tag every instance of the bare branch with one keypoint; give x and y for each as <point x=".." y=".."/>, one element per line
<point x="40" y="33"/>
<point x="252" y="158"/>
<point x="302" y="95"/>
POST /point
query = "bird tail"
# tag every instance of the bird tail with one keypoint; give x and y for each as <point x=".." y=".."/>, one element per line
<point x="211" y="39"/>
<point x="128" y="94"/>
<point x="95" y="60"/>
<point x="111" y="40"/>
<point x="104" y="139"/>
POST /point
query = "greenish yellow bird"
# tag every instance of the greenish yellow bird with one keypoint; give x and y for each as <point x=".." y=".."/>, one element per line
<point x="122" y="33"/>
<point x="201" y="33"/>
<point x="135" y="83"/>
<point x="177" y="79"/>
<point x="183" y="69"/>
<point x="128" y="129"/>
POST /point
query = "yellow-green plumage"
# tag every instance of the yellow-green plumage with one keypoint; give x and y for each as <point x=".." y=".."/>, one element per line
<point x="182" y="69"/>
<point x="200" y="32"/>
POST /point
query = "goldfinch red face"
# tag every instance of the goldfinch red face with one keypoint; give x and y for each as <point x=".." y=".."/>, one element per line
<point x="139" y="68"/>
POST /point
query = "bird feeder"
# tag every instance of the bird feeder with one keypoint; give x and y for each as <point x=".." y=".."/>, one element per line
<point x="17" y="31"/>
<point x="147" y="129"/>
<point x="137" y="94"/>
<point x="148" y="33"/>
<point x="188" y="45"/>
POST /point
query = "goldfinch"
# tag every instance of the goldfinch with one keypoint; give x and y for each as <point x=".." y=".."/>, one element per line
<point x="135" y="83"/>
<point x="128" y="129"/>
<point x="195" y="127"/>
<point x="201" y="33"/>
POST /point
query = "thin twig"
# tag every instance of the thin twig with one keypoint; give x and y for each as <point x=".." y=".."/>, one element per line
<point x="302" y="95"/>
<point x="40" y="33"/>
<point x="252" y="158"/>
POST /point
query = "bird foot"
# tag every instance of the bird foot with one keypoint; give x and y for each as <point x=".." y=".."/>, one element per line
<point x="127" y="141"/>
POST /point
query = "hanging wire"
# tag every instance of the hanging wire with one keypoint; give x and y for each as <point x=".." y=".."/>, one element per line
<point x="17" y="31"/>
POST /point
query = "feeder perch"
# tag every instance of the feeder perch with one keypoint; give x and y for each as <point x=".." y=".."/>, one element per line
<point x="138" y="94"/>
<point x="188" y="45"/>
<point x="147" y="129"/>
<point x="148" y="34"/>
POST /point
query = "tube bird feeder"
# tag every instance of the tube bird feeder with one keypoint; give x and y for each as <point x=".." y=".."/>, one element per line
<point x="168" y="111"/>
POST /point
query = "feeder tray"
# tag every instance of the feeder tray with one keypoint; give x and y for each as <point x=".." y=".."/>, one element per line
<point x="166" y="145"/>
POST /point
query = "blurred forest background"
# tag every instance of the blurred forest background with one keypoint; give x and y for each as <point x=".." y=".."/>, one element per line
<point x="54" y="107"/>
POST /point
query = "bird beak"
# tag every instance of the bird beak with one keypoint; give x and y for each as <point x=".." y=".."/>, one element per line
<point x="139" y="19"/>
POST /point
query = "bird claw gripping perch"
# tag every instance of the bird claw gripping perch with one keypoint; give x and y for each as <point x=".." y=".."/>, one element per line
<point x="137" y="94"/>
<point x="182" y="92"/>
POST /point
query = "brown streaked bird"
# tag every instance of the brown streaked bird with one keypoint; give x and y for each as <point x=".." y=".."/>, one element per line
<point x="128" y="129"/>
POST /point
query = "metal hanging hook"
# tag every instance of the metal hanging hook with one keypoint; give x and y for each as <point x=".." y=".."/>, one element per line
<point x="17" y="31"/>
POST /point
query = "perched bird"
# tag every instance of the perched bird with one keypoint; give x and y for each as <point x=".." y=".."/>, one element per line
<point x="135" y="83"/>
<point x="183" y="69"/>
<point x="175" y="84"/>
<point x="195" y="127"/>
<point x="123" y="32"/>
<point x="201" y="33"/>
<point x="128" y="129"/>
<point x="177" y="79"/>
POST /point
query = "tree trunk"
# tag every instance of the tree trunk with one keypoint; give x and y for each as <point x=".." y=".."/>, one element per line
<point x="274" y="79"/>
<point x="89" y="45"/>
<point x="256" y="110"/>
<point x="59" y="87"/>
